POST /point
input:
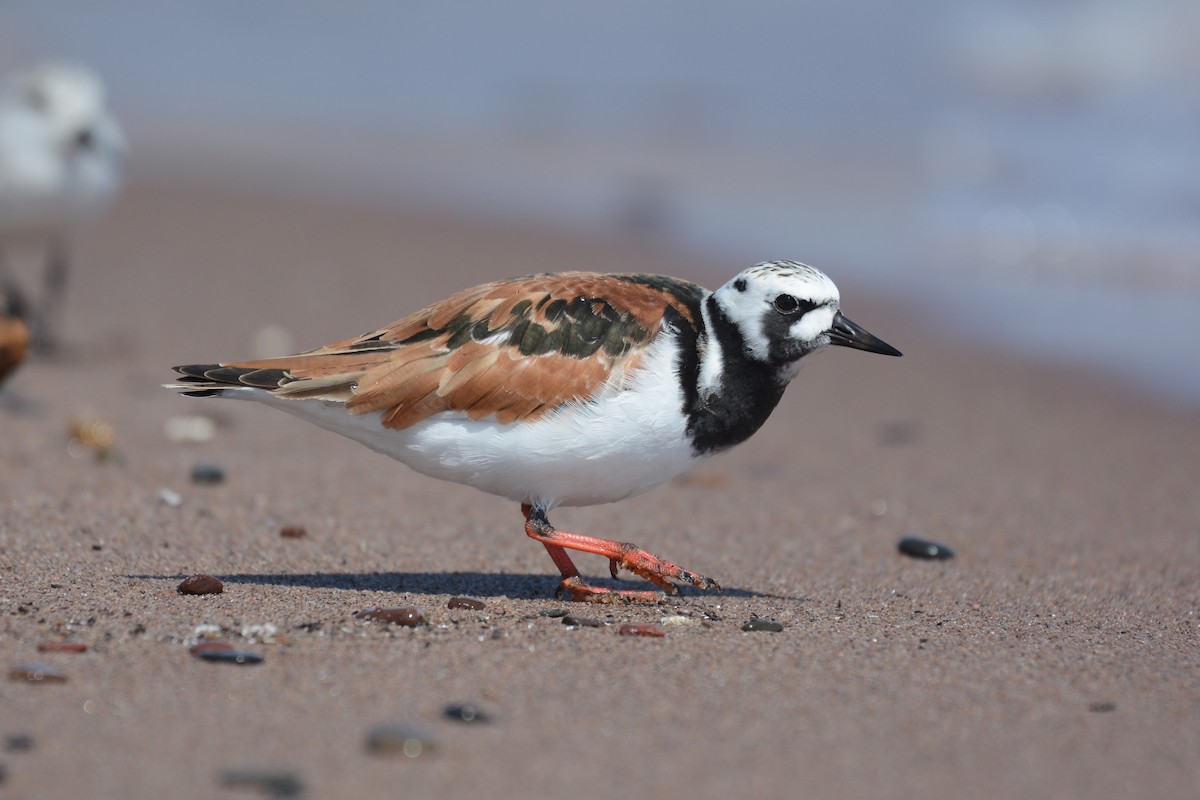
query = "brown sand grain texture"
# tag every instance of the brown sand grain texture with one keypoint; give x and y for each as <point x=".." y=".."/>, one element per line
<point x="1055" y="656"/>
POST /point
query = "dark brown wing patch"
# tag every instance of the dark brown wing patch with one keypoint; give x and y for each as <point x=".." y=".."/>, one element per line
<point x="512" y="349"/>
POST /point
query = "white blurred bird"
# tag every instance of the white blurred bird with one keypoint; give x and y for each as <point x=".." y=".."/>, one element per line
<point x="61" y="154"/>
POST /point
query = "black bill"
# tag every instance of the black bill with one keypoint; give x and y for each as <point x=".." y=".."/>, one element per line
<point x="848" y="334"/>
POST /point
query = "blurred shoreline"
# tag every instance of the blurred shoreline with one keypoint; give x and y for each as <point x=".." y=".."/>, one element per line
<point x="1021" y="174"/>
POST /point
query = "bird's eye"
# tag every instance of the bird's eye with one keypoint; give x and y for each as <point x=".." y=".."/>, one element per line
<point x="85" y="139"/>
<point x="740" y="284"/>
<point x="786" y="304"/>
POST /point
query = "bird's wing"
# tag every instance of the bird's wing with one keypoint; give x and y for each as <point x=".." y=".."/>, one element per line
<point x="514" y="349"/>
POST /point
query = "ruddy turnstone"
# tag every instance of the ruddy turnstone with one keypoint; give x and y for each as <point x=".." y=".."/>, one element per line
<point x="14" y="339"/>
<point x="61" y="152"/>
<point x="565" y="389"/>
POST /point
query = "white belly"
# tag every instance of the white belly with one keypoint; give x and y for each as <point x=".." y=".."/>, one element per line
<point x="625" y="442"/>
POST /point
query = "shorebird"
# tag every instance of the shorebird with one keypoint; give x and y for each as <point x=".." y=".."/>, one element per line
<point x="60" y="162"/>
<point x="567" y="389"/>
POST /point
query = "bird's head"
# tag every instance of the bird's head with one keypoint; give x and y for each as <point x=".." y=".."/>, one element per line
<point x="785" y="310"/>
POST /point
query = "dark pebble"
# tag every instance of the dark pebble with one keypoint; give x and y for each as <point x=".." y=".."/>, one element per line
<point x="407" y="616"/>
<point x="463" y="601"/>
<point x="465" y="712"/>
<point x="400" y="738"/>
<point x="229" y="656"/>
<point x="200" y="584"/>
<point x="582" y="622"/>
<point x="34" y="672"/>
<point x="61" y="647"/>
<point x="897" y="433"/>
<point x="293" y="532"/>
<point x="272" y="783"/>
<point x="759" y="624"/>
<point x="923" y="548"/>
<point x="207" y="473"/>
<point x="641" y="630"/>
<point x="1101" y="708"/>
<point x="18" y="743"/>
<point x="553" y="612"/>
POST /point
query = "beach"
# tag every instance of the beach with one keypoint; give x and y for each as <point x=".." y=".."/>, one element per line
<point x="1055" y="655"/>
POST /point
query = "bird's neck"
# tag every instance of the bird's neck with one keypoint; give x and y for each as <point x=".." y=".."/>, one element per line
<point x="727" y="395"/>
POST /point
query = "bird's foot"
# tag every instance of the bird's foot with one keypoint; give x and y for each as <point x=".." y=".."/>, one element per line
<point x="654" y="569"/>
<point x="662" y="574"/>
<point x="576" y="588"/>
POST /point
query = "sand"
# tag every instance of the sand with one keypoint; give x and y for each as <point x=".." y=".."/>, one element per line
<point x="1055" y="656"/>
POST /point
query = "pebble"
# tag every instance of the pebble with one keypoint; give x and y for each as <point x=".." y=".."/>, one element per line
<point x="18" y="743"/>
<point x="200" y="584"/>
<point x="96" y="435"/>
<point x="190" y="429"/>
<point x="762" y="624"/>
<point x="582" y="622"/>
<point x="1102" y="708"/>
<point x="465" y="712"/>
<point x="631" y="629"/>
<point x="407" y="616"/>
<point x="293" y="532"/>
<point x="400" y="738"/>
<point x="211" y="646"/>
<point x="271" y="782"/>
<point x="553" y="612"/>
<point x="923" y="548"/>
<point x="464" y="601"/>
<point x="61" y="647"/>
<point x="230" y="656"/>
<point x="35" y="672"/>
<point x="170" y="497"/>
<point x="207" y="473"/>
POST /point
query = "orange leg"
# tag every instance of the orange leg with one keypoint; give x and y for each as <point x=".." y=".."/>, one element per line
<point x="661" y="573"/>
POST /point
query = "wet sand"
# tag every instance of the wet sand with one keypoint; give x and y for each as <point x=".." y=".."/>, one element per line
<point x="1055" y="656"/>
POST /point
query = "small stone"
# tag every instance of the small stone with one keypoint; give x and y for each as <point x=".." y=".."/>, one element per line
<point x="211" y="646"/>
<point x="465" y="712"/>
<point x="553" y="612"/>
<point x="1102" y="708"/>
<point x="465" y="601"/>
<point x="293" y="532"/>
<point x="200" y="584"/>
<point x="207" y="473"/>
<point x="190" y="429"/>
<point x="631" y="629"/>
<point x="922" y="548"/>
<point x="400" y="738"/>
<point x="170" y="497"/>
<point x="228" y="656"/>
<point x="18" y="743"/>
<point x="581" y="622"/>
<point x="407" y="616"/>
<point x="678" y="619"/>
<point x="95" y="435"/>
<point x="35" y="672"/>
<point x="271" y="782"/>
<point x="61" y="647"/>
<point x="761" y="624"/>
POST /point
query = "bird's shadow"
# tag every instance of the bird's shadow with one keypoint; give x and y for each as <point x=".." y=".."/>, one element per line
<point x="478" y="584"/>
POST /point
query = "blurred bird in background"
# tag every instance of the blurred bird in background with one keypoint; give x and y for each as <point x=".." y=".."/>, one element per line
<point x="61" y="153"/>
